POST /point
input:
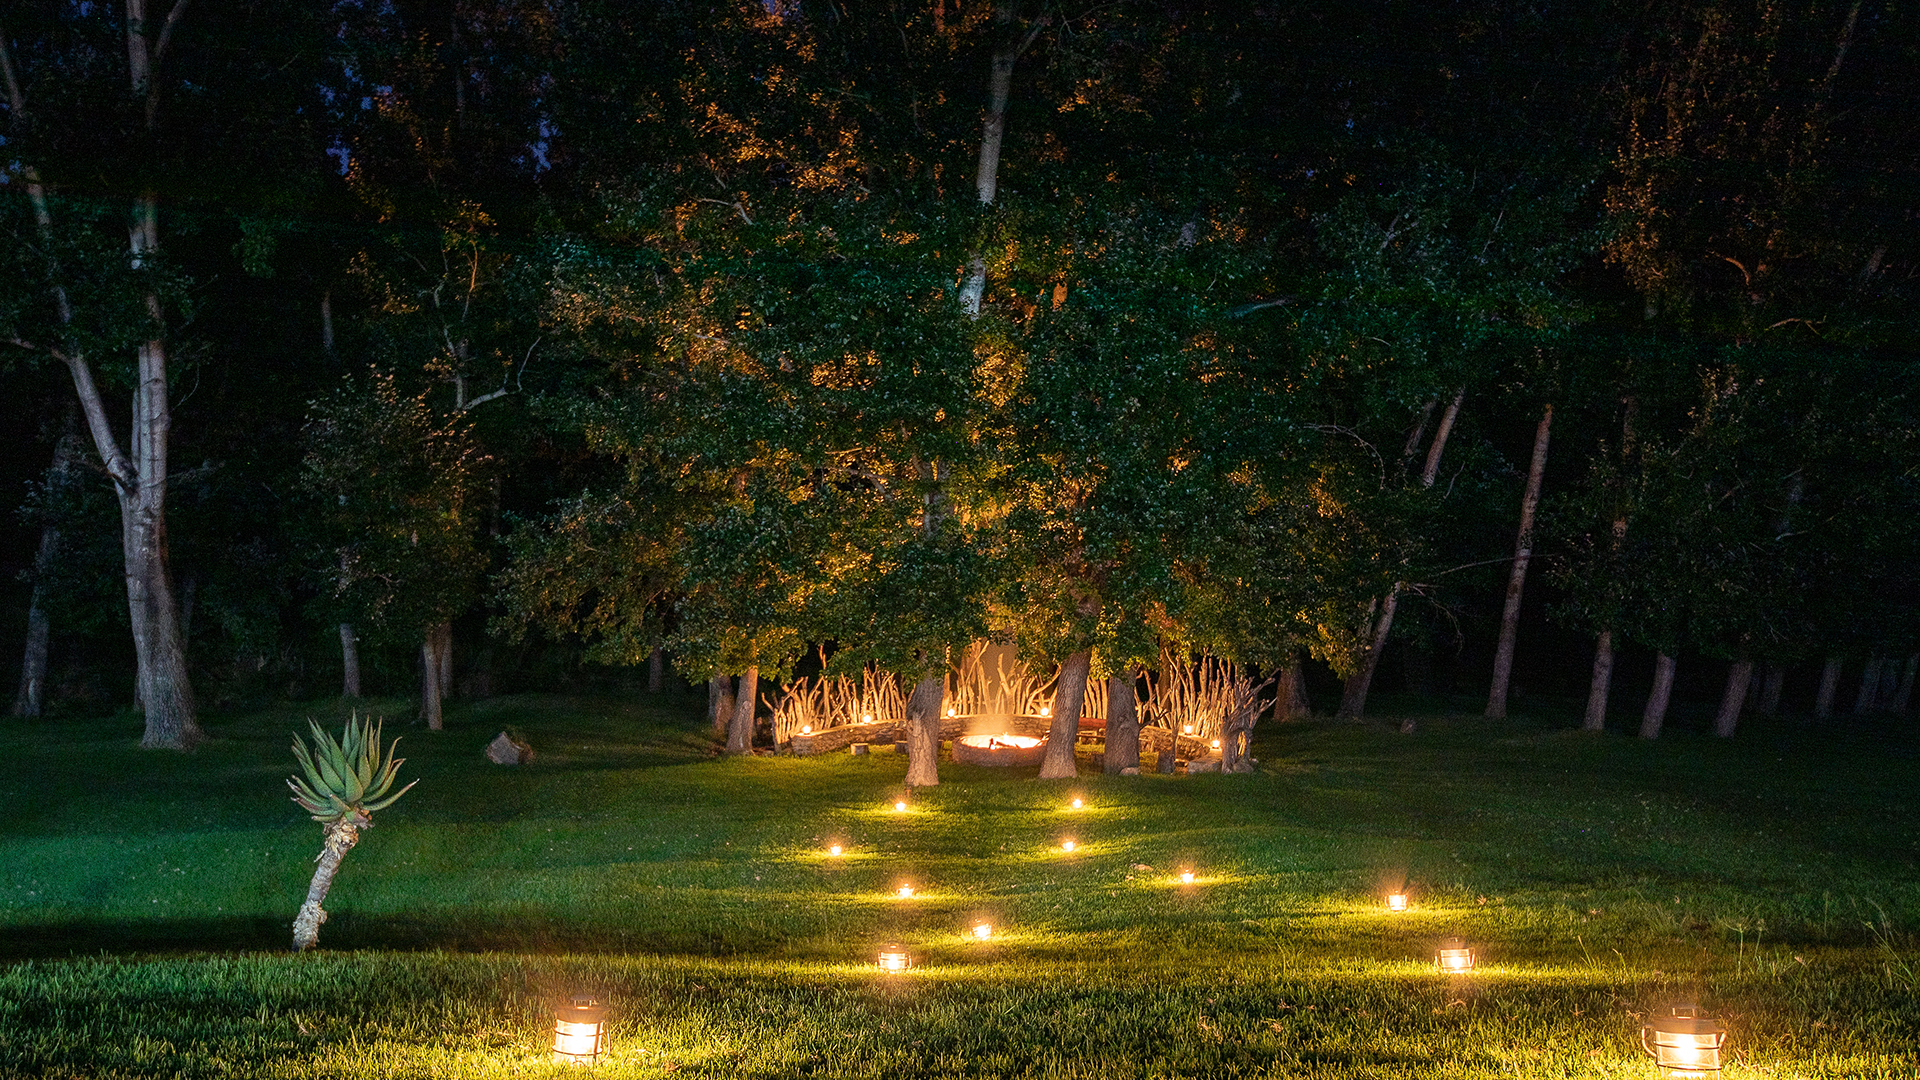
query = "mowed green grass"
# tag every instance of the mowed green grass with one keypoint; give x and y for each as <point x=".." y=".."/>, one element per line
<point x="145" y="903"/>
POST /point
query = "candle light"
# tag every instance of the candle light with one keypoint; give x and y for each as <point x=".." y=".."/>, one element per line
<point x="1686" y="1045"/>
<point x="1186" y="729"/>
<point x="1076" y="802"/>
<point x="1454" y="957"/>
<point x="900" y="806"/>
<point x="950" y="711"/>
<point x="1216" y="744"/>
<point x="806" y="729"/>
<point x="1046" y="710"/>
<point x="580" y="1031"/>
<point x="866" y="718"/>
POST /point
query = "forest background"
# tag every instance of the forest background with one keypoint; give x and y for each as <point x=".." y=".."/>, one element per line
<point x="459" y="347"/>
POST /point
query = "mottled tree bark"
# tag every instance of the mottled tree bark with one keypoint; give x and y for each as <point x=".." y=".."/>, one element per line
<point x="1829" y="688"/>
<point x="1739" y="679"/>
<point x="740" y="727"/>
<point x="1656" y="711"/>
<point x="349" y="662"/>
<point x="1123" y="725"/>
<point x="923" y="731"/>
<point x="1517" y="577"/>
<point x="720" y="703"/>
<point x="1601" y="685"/>
<point x="656" y="670"/>
<point x="1068" y="697"/>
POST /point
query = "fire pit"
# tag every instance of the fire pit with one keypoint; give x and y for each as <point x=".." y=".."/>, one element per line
<point x="999" y="749"/>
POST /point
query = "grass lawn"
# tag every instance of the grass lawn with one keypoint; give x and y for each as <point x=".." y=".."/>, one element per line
<point x="145" y="903"/>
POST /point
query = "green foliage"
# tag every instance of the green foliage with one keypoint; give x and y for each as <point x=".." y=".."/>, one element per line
<point x="346" y="779"/>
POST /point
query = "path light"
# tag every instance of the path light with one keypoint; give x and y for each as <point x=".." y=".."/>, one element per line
<point x="1397" y="902"/>
<point x="1454" y="957"/>
<point x="1066" y="846"/>
<point x="1077" y="804"/>
<point x="893" y="957"/>
<point x="1216" y="744"/>
<point x="950" y="711"/>
<point x="982" y="931"/>
<point x="1186" y="877"/>
<point x="1046" y="710"/>
<point x="899" y="806"/>
<point x="806" y="729"/>
<point x="866" y="718"/>
<point x="905" y="891"/>
<point x="580" y="1032"/>
<point x="834" y="850"/>
<point x="1686" y="1044"/>
<point x="1186" y="729"/>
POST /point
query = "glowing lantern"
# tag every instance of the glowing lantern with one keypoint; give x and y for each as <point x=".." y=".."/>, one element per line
<point x="894" y="958"/>
<point x="834" y="850"/>
<point x="1077" y="804"/>
<point x="1397" y="902"/>
<point x="1686" y="1044"/>
<point x="950" y="711"/>
<point x="1066" y="846"/>
<point x="806" y="729"/>
<point x="1454" y="957"/>
<point x="1216" y="744"/>
<point x="900" y="806"/>
<point x="982" y="931"/>
<point x="580" y="1032"/>
<point x="1186" y="877"/>
<point x="904" y="892"/>
<point x="1046" y="710"/>
<point x="866" y="718"/>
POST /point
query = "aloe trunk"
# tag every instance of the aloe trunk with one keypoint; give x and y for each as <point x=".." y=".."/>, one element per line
<point x="341" y="836"/>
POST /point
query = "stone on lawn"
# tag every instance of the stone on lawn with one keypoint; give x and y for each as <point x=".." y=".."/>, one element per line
<point x="507" y="750"/>
<point x="1200" y="765"/>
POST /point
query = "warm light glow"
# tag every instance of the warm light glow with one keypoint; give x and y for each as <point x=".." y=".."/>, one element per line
<point x="905" y="892"/>
<point x="580" y="1032"/>
<point x="893" y="958"/>
<point x="1066" y="845"/>
<point x="1216" y="744"/>
<point x="806" y="729"/>
<point x="1186" y="729"/>
<point x="866" y="718"/>
<point x="1454" y="957"/>
<point x="1397" y="902"/>
<point x="900" y="806"/>
<point x="992" y="742"/>
<point x="950" y="711"/>
<point x="1076" y="804"/>
<point x="1046" y="710"/>
<point x="982" y="931"/>
<point x="1686" y="1044"/>
<point x="1186" y="877"/>
<point x="834" y="850"/>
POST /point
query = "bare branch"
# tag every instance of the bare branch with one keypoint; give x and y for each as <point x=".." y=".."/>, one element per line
<point x="166" y="30"/>
<point x="737" y="208"/>
<point x="15" y="97"/>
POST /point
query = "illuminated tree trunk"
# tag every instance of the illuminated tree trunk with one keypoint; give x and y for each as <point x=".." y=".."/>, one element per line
<point x="719" y="703"/>
<point x="1123" y="725"/>
<point x="341" y="836"/>
<point x="1517" y="577"/>
<point x="1290" y="697"/>
<point x="349" y="662"/>
<point x="430" y="695"/>
<point x="740" y="727"/>
<point x="1068" y="697"/>
<point x="1656" y="711"/>
<point x="923" y="731"/>
<point x="1829" y="687"/>
<point x="1739" y="680"/>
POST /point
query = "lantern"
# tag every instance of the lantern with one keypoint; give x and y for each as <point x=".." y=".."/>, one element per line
<point x="1046" y="710"/>
<point x="580" y="1032"/>
<point x="899" y="806"/>
<point x="1397" y="902"/>
<point x="1686" y="1044"/>
<point x="834" y="851"/>
<point x="1066" y="846"/>
<point x="982" y="931"/>
<point x="1216" y="744"/>
<point x="950" y="712"/>
<point x="1077" y="804"/>
<point x="866" y="718"/>
<point x="1454" y="957"/>
<point x="1186" y="877"/>
<point x="893" y="958"/>
<point x="905" y="891"/>
<point x="1186" y="729"/>
<point x="806" y="729"/>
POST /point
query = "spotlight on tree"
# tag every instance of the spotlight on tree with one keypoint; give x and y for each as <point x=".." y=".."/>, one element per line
<point x="580" y="1032"/>
<point x="1686" y="1045"/>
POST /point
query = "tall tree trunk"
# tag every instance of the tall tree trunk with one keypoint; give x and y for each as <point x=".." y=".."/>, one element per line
<point x="1123" y="725"/>
<point x="987" y="174"/>
<point x="1829" y="687"/>
<point x="1353" y="695"/>
<point x="341" y="836"/>
<point x="1662" y="692"/>
<point x="740" y="727"/>
<point x="443" y="658"/>
<point x="31" y="699"/>
<point x="720" y="703"/>
<point x="923" y="731"/>
<point x="430" y="683"/>
<point x="656" y="670"/>
<point x="1068" y="697"/>
<point x="1517" y="578"/>
<point x="1889" y="683"/>
<point x="1290" y="691"/>
<point x="1739" y="679"/>
<point x="1602" y="684"/>
<point x="1432" y="470"/>
<point x="1869" y="685"/>
<point x="1770" y="690"/>
<point x="349" y="662"/>
<point x="1903" y="697"/>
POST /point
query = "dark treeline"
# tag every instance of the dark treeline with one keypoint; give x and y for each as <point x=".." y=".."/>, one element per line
<point x="455" y="347"/>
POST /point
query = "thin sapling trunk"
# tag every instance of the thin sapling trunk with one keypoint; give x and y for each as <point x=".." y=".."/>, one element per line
<point x="1829" y="688"/>
<point x="1656" y="711"/>
<point x="1517" y="577"/>
<point x="1734" y="698"/>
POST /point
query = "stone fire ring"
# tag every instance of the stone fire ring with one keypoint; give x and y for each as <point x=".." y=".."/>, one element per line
<point x="999" y="750"/>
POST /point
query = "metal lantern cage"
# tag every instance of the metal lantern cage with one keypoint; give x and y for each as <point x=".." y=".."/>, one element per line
<point x="894" y="958"/>
<point x="580" y="1032"/>
<point x="1454" y="957"/>
<point x="1686" y="1045"/>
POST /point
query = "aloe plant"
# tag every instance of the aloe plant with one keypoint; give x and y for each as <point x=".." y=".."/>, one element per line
<point x="345" y="783"/>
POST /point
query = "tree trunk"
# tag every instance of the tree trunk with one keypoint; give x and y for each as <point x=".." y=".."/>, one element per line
<point x="31" y="700"/>
<point x="1889" y="684"/>
<point x="1290" y="692"/>
<point x="720" y="703"/>
<point x="1432" y="470"/>
<point x="1903" y="697"/>
<point x="349" y="662"/>
<point x="1656" y="712"/>
<point x="1739" y="679"/>
<point x="1123" y="725"/>
<point x="1353" y="695"/>
<point x="1602" y="684"/>
<point x="1517" y="578"/>
<point x="1829" y="687"/>
<point x="1770" y="689"/>
<point x="656" y="670"/>
<point x="443" y="658"/>
<point x="1869" y="685"/>
<point x="341" y="836"/>
<point x="740" y="727"/>
<point x="1068" y="697"/>
<point x="923" y="731"/>
<point x="987" y="174"/>
<point x="430" y="683"/>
